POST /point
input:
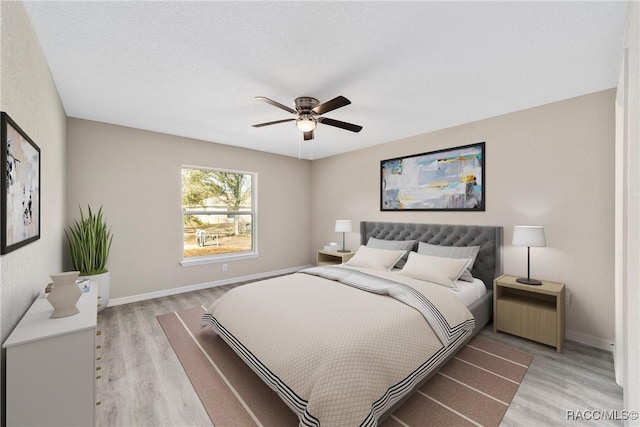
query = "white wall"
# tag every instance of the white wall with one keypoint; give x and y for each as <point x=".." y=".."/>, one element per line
<point x="28" y="94"/>
<point x="552" y="165"/>
<point x="135" y="176"/>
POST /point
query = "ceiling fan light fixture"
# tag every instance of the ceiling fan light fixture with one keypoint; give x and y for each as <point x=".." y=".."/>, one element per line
<point x="306" y="123"/>
<point x="309" y="113"/>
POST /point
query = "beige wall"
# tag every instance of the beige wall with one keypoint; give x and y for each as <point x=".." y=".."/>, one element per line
<point x="552" y="165"/>
<point x="28" y="94"/>
<point x="135" y="176"/>
<point x="30" y="97"/>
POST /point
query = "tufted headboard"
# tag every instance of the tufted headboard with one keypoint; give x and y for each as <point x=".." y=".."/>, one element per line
<point x="488" y="264"/>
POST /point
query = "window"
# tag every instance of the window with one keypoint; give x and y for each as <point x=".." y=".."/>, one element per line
<point x="218" y="212"/>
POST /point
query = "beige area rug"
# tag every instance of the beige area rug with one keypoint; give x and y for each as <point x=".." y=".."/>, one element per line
<point x="474" y="388"/>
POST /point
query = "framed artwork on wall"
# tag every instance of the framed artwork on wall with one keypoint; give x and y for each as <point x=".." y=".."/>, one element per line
<point x="20" y="204"/>
<point x="451" y="179"/>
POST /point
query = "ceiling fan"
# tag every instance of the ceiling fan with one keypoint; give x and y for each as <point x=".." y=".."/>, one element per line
<point x="309" y="113"/>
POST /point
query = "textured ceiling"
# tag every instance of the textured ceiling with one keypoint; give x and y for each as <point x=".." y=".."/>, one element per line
<point x="193" y="68"/>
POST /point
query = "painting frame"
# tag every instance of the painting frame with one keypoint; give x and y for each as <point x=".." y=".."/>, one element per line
<point x="450" y="179"/>
<point x="21" y="176"/>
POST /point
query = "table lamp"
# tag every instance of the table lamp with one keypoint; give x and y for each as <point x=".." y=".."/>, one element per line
<point x="343" y="226"/>
<point x="529" y="235"/>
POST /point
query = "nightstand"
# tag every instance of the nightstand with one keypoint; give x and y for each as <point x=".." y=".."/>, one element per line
<point x="532" y="312"/>
<point x="332" y="257"/>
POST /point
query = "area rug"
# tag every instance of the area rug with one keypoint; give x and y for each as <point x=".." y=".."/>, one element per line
<point x="473" y="388"/>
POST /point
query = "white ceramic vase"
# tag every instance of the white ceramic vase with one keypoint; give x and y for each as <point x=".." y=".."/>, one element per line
<point x="65" y="294"/>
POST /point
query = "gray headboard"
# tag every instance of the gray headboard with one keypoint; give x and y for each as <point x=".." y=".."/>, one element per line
<point x="488" y="264"/>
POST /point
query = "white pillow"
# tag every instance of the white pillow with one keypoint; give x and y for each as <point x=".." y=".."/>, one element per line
<point x="443" y="271"/>
<point x="380" y="259"/>
<point x="470" y="252"/>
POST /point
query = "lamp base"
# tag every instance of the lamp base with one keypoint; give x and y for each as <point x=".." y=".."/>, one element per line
<point x="343" y="251"/>
<point x="526" y="281"/>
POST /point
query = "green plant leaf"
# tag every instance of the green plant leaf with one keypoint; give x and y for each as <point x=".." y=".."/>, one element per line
<point x="89" y="242"/>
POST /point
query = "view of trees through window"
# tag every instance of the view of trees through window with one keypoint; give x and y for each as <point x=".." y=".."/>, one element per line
<point x="217" y="212"/>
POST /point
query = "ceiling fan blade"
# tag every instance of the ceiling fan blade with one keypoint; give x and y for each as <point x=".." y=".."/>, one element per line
<point x="339" y="124"/>
<point x="308" y="135"/>
<point x="259" y="125"/>
<point x="325" y="107"/>
<point x="276" y="104"/>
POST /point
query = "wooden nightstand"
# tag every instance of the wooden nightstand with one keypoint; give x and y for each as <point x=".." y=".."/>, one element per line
<point x="532" y="312"/>
<point x="332" y="257"/>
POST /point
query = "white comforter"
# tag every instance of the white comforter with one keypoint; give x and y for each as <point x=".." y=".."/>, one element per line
<point x="341" y="354"/>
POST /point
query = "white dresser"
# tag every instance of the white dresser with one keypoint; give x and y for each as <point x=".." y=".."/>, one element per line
<point x="52" y="366"/>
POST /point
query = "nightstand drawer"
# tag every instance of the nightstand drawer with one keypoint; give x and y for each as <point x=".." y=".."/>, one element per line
<point x="532" y="319"/>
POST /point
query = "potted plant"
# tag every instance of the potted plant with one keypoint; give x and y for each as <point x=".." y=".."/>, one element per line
<point x="89" y="246"/>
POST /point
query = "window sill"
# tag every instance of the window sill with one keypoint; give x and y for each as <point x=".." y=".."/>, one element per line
<point x="191" y="262"/>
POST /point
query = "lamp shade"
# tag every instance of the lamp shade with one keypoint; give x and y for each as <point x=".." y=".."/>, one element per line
<point x="529" y="235"/>
<point x="343" y="226"/>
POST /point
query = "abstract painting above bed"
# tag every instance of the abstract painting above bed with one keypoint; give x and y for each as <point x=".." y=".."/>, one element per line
<point x="451" y="179"/>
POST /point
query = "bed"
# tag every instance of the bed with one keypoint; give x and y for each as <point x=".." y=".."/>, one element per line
<point x="347" y="344"/>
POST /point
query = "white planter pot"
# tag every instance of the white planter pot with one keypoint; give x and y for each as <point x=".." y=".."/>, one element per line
<point x="104" y="286"/>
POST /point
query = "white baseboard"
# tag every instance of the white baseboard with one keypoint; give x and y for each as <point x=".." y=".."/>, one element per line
<point x="200" y="286"/>
<point x="589" y="340"/>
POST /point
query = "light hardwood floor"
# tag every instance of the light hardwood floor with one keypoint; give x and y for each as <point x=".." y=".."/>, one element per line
<point x="143" y="383"/>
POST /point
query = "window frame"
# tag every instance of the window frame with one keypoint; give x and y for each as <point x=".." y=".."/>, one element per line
<point x="231" y="256"/>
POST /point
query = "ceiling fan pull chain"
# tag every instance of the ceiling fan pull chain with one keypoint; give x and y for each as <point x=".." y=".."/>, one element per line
<point x="312" y="151"/>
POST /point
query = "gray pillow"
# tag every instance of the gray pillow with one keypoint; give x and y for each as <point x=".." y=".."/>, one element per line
<point x="407" y="245"/>
<point x="470" y="252"/>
